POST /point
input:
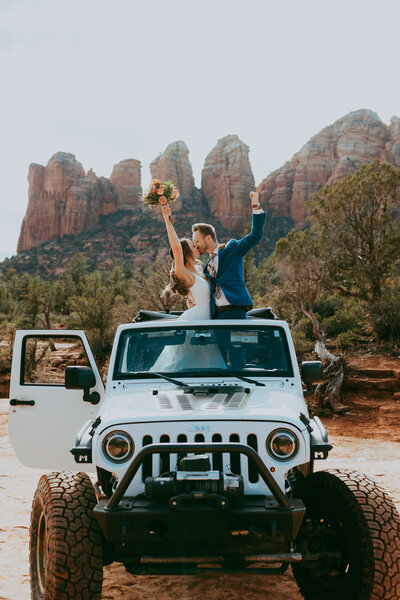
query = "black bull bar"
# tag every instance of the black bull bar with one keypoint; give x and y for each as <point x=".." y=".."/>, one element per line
<point x="214" y="447"/>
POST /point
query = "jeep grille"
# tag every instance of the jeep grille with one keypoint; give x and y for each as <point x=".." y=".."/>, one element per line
<point x="167" y="462"/>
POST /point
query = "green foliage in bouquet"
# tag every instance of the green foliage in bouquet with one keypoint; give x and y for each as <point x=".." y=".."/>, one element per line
<point x="160" y="192"/>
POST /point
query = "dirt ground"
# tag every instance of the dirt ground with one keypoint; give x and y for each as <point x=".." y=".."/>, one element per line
<point x="367" y="440"/>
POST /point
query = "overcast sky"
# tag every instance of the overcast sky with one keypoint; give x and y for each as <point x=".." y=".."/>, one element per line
<point x="110" y="80"/>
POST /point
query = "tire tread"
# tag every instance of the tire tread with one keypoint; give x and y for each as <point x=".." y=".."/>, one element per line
<point x="379" y="520"/>
<point x="74" y="538"/>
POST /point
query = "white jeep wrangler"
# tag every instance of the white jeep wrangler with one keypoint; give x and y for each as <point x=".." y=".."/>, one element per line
<point x="195" y="467"/>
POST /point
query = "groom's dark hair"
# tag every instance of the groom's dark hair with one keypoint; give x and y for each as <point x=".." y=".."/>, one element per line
<point x="205" y="229"/>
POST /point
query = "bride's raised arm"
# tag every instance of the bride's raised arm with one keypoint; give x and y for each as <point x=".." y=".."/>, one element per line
<point x="176" y="247"/>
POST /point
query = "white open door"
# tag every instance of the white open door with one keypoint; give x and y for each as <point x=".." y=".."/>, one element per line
<point x="44" y="416"/>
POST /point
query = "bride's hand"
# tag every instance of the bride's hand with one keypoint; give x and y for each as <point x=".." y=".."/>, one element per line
<point x="166" y="211"/>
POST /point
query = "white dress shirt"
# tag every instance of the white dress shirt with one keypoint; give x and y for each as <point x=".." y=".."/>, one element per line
<point x="221" y="300"/>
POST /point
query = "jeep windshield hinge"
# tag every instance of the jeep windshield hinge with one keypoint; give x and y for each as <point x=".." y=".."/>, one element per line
<point x="95" y="424"/>
<point x="306" y="422"/>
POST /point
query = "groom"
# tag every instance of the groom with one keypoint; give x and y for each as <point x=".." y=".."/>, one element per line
<point x="229" y="296"/>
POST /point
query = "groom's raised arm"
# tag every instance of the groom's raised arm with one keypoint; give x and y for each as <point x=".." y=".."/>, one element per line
<point x="257" y="228"/>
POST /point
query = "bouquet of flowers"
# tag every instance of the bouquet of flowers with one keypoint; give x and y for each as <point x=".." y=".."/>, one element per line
<point x="160" y="192"/>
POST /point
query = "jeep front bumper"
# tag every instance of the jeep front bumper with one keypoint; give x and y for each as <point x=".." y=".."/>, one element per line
<point x="244" y="530"/>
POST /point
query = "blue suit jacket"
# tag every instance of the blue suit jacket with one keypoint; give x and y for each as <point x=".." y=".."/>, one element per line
<point x="230" y="275"/>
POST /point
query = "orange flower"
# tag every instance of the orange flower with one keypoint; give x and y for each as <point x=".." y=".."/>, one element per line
<point x="172" y="195"/>
<point x="161" y="191"/>
<point x="177" y="194"/>
<point x="155" y="182"/>
<point x="162" y="200"/>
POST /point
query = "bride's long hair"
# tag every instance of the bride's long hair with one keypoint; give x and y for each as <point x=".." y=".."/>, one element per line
<point x="177" y="286"/>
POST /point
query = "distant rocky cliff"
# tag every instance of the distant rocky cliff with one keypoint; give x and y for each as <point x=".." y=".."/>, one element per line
<point x="174" y="164"/>
<point x="227" y="179"/>
<point x="105" y="218"/>
<point x="336" y="151"/>
<point x="126" y="179"/>
<point x="64" y="200"/>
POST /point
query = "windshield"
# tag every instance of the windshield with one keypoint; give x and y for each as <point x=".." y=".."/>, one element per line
<point x="203" y="350"/>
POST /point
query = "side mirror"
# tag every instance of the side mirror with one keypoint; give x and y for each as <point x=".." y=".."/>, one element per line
<point x="311" y="374"/>
<point x="82" y="378"/>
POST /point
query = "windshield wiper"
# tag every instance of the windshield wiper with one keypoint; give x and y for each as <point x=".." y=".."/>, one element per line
<point x="233" y="374"/>
<point x="170" y="379"/>
<point x="188" y="388"/>
<point x="248" y="380"/>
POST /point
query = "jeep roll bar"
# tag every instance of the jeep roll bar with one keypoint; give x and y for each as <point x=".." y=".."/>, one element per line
<point x="153" y="315"/>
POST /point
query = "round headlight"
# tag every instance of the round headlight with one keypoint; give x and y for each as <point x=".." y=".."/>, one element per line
<point x="118" y="446"/>
<point x="282" y="444"/>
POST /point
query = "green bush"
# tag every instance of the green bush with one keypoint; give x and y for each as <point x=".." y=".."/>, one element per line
<point x="349" y="316"/>
<point x="326" y="306"/>
<point x="302" y="344"/>
<point x="347" y="339"/>
<point x="385" y="313"/>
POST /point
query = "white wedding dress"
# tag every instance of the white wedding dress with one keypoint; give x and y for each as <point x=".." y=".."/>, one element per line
<point x="188" y="356"/>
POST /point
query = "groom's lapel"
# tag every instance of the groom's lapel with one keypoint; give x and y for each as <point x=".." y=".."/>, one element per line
<point x="205" y="270"/>
<point x="221" y="257"/>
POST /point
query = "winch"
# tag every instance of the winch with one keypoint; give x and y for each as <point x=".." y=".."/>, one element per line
<point x="196" y="478"/>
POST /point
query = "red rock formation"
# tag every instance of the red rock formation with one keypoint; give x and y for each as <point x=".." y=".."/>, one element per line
<point x="336" y="151"/>
<point x="174" y="164"/>
<point x="126" y="179"/>
<point x="88" y="198"/>
<point x="64" y="200"/>
<point x="227" y="180"/>
<point x="48" y="187"/>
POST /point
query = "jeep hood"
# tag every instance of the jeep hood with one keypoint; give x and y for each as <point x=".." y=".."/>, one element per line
<point x="274" y="402"/>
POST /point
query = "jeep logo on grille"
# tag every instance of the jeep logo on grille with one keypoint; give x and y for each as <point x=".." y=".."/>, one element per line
<point x="200" y="429"/>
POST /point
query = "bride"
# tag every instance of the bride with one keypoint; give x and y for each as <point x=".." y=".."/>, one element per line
<point x="187" y="282"/>
<point x="184" y="276"/>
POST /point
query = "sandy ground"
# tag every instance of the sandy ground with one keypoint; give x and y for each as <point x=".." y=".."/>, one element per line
<point x="362" y="441"/>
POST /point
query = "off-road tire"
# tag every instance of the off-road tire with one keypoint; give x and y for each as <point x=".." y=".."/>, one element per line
<point x="368" y="527"/>
<point x="65" y="540"/>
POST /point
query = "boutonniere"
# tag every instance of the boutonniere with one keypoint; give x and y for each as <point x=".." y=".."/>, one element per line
<point x="221" y="246"/>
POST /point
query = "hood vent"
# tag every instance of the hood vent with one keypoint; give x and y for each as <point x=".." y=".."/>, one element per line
<point x="237" y="400"/>
<point x="215" y="402"/>
<point x="184" y="402"/>
<point x="164" y="401"/>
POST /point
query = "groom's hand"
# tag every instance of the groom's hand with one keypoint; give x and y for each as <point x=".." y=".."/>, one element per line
<point x="254" y="201"/>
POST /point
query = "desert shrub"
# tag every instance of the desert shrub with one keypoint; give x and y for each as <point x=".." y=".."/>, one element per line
<point x="326" y="305"/>
<point x="385" y="312"/>
<point x="302" y="344"/>
<point x="305" y="326"/>
<point x="93" y="313"/>
<point x="347" y="339"/>
<point x="349" y="316"/>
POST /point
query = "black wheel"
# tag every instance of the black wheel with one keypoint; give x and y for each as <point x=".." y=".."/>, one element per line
<point x="354" y="528"/>
<point x="65" y="548"/>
